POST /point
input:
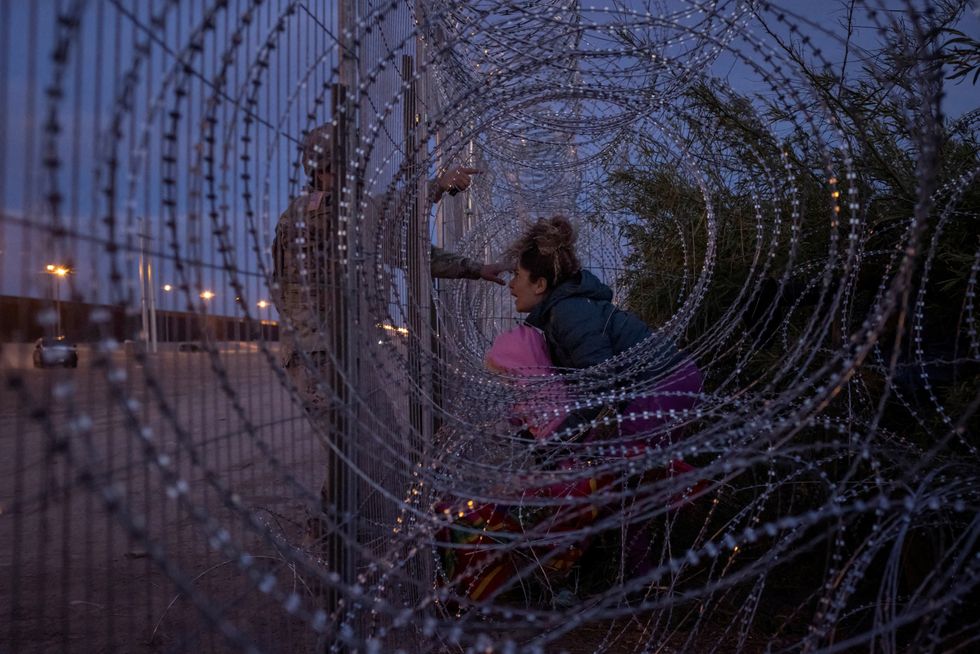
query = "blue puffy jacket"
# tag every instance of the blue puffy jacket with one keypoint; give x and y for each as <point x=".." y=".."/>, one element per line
<point x="584" y="328"/>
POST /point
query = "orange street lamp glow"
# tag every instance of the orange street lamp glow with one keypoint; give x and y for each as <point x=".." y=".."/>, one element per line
<point x="168" y="288"/>
<point x="262" y="304"/>
<point x="49" y="267"/>
<point x="55" y="269"/>
<point x="207" y="295"/>
<point x="392" y="328"/>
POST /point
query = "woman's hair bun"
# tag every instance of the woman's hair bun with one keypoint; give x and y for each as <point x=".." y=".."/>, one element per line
<point x="553" y="235"/>
<point x="547" y="249"/>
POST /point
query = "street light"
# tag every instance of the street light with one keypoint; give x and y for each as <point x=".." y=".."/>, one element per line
<point x="263" y="305"/>
<point x="207" y="295"/>
<point x="56" y="270"/>
<point x="166" y="319"/>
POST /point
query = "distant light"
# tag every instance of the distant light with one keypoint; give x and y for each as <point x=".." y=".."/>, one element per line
<point x="168" y="288"/>
<point x="392" y="328"/>
<point x="55" y="269"/>
<point x="207" y="295"/>
<point x="262" y="304"/>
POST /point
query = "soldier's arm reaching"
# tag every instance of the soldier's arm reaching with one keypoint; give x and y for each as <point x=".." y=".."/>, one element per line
<point x="443" y="264"/>
<point x="449" y="265"/>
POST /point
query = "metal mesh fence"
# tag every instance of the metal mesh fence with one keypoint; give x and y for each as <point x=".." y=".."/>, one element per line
<point x="247" y="400"/>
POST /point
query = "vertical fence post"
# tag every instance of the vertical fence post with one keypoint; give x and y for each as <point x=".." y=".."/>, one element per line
<point x="417" y="272"/>
<point x="419" y="297"/>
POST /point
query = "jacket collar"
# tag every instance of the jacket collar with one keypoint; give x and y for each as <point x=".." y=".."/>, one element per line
<point x="581" y="284"/>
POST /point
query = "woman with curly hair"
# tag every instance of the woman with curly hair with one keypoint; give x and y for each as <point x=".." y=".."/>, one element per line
<point x="584" y="329"/>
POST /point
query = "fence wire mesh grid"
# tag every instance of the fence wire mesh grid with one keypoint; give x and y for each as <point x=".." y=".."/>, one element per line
<point x="251" y="341"/>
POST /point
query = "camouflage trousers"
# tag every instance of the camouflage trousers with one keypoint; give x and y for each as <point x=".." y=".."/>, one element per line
<point x="312" y="376"/>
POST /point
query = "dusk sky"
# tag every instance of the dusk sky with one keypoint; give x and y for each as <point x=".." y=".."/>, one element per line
<point x="288" y="94"/>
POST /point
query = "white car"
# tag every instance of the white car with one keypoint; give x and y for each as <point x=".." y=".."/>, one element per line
<point x="51" y="352"/>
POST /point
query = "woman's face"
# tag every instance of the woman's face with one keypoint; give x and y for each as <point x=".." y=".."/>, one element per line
<point x="527" y="294"/>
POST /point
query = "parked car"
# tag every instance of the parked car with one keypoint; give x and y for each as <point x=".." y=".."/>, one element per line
<point x="51" y="352"/>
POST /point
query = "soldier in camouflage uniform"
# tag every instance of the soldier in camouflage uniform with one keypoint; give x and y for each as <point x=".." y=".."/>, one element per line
<point x="305" y="270"/>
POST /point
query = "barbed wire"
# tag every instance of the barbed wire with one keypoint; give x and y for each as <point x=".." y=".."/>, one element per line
<point x="801" y="230"/>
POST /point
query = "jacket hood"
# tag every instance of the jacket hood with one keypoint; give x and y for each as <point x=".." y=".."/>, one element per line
<point x="582" y="284"/>
<point x="520" y="351"/>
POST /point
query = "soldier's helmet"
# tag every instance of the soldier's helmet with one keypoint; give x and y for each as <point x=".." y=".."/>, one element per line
<point x="317" y="150"/>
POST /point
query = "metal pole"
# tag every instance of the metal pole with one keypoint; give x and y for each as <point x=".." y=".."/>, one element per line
<point x="142" y="280"/>
<point x="57" y="302"/>
<point x="153" y="304"/>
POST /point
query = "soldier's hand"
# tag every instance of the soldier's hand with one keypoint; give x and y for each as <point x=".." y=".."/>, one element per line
<point x="456" y="179"/>
<point x="491" y="272"/>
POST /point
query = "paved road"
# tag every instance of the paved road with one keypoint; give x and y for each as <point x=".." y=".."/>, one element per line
<point x="78" y="582"/>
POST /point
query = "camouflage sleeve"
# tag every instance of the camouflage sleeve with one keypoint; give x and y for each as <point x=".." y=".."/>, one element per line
<point x="443" y="264"/>
<point x="449" y="265"/>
